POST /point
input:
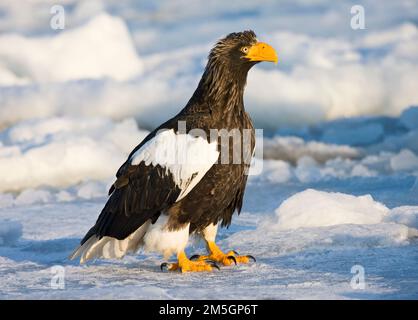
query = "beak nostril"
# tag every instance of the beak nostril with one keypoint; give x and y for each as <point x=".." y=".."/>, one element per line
<point x="262" y="52"/>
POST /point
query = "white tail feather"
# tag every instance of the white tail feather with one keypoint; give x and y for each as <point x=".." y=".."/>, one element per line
<point x="110" y="248"/>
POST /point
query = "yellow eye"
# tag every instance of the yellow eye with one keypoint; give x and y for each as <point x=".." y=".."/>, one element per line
<point x="245" y="49"/>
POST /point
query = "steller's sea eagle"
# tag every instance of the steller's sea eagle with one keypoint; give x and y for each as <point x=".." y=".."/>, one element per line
<point x="178" y="181"/>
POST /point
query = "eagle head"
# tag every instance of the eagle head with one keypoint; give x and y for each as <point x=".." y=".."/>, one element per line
<point x="241" y="50"/>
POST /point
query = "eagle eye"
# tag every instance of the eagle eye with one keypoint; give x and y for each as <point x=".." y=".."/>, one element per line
<point x="245" y="49"/>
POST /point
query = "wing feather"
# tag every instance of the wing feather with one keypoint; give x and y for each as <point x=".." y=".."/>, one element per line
<point x="162" y="171"/>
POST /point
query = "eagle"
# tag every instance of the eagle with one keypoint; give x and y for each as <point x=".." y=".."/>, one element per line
<point x="186" y="177"/>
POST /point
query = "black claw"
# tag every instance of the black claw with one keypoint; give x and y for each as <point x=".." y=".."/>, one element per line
<point x="195" y="256"/>
<point x="251" y="257"/>
<point x="233" y="259"/>
<point x="164" y="265"/>
<point x="212" y="264"/>
<point x="235" y="252"/>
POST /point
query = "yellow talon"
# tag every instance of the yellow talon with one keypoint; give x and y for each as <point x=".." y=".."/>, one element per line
<point x="227" y="259"/>
<point x="186" y="265"/>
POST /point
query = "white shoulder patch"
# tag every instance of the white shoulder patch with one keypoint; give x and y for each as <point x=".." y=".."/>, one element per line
<point x="186" y="157"/>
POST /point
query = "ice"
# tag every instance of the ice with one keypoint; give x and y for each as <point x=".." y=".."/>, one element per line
<point x="406" y="215"/>
<point x="60" y="152"/>
<point x="313" y="208"/>
<point x="91" y="189"/>
<point x="292" y="148"/>
<point x="64" y="196"/>
<point x="320" y="76"/>
<point x="395" y="143"/>
<point x="360" y="170"/>
<point x="10" y="232"/>
<point x="6" y="200"/>
<point x="272" y="243"/>
<point x="409" y="118"/>
<point x="313" y="220"/>
<point x="277" y="171"/>
<point x="339" y="182"/>
<point x="313" y="88"/>
<point x="31" y="196"/>
<point x="307" y="169"/>
<point x="354" y="135"/>
<point x="404" y="160"/>
<point x="100" y="48"/>
<point x="355" y="146"/>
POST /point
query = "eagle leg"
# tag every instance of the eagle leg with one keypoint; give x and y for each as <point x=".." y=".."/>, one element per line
<point x="216" y="254"/>
<point x="186" y="265"/>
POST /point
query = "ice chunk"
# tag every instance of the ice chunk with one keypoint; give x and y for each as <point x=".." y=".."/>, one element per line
<point x="360" y="170"/>
<point x="64" y="151"/>
<point x="64" y="196"/>
<point x="313" y="208"/>
<point x="31" y="196"/>
<point x="271" y="242"/>
<point x="409" y="118"/>
<point x="293" y="148"/>
<point x="6" y="200"/>
<point x="276" y="171"/>
<point x="92" y="189"/>
<point x="100" y="48"/>
<point x="321" y="78"/>
<point x="307" y="169"/>
<point x="407" y="215"/>
<point x="404" y="161"/>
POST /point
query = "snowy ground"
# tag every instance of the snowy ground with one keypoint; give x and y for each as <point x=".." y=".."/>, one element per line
<point x="306" y="241"/>
<point x="339" y="188"/>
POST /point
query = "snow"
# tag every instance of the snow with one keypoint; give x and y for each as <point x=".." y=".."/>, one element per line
<point x="61" y="151"/>
<point x="325" y="71"/>
<point x="100" y="48"/>
<point x="64" y="195"/>
<point x="339" y="183"/>
<point x="406" y="215"/>
<point x="6" y="200"/>
<point x="309" y="217"/>
<point x="334" y="238"/>
<point x="312" y="208"/>
<point x="292" y="148"/>
<point x="31" y="196"/>
<point x="275" y="171"/>
<point x="404" y="160"/>
<point x="89" y="190"/>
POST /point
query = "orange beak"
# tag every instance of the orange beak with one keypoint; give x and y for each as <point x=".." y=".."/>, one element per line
<point x="262" y="52"/>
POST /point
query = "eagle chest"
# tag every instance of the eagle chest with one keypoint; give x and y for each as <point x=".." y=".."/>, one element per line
<point x="221" y="189"/>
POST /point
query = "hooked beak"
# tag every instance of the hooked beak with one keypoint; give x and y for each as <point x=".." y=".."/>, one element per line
<point x="262" y="52"/>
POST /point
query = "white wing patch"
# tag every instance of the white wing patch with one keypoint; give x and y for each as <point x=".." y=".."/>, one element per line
<point x="186" y="157"/>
